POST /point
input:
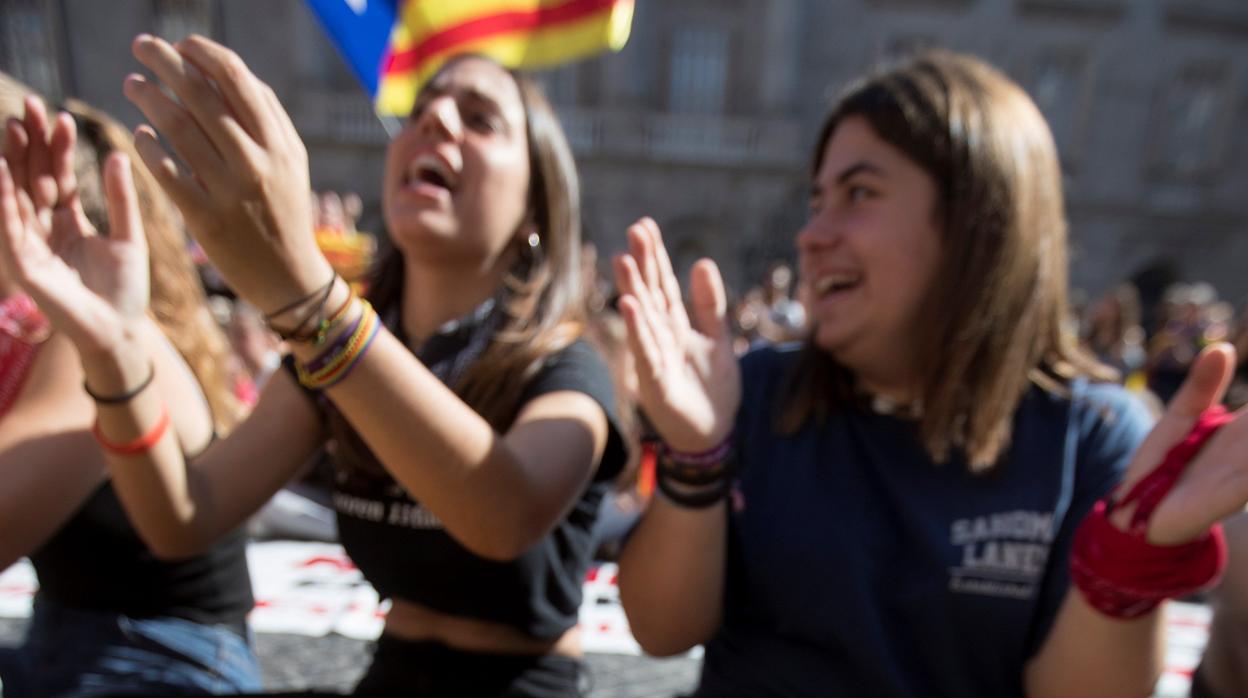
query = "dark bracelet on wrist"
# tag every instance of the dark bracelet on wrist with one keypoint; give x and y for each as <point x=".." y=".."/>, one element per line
<point x="322" y="297"/>
<point x="700" y="499"/>
<point x="269" y="317"/>
<point x="124" y="397"/>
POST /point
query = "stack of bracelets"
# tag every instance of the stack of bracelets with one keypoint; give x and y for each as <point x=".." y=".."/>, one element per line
<point x="336" y="360"/>
<point x="1120" y="573"/>
<point x="142" y="444"/>
<point x="695" y="480"/>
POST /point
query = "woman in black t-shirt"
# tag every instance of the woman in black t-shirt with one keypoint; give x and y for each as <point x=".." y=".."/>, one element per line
<point x="109" y="616"/>
<point x="471" y="426"/>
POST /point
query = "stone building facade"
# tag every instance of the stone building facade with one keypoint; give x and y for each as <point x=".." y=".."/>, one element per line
<point x="706" y="118"/>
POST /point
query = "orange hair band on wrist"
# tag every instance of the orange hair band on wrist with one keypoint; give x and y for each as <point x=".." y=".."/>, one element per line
<point x="142" y="444"/>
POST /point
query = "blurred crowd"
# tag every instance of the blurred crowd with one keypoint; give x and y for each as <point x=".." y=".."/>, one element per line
<point x="1155" y="355"/>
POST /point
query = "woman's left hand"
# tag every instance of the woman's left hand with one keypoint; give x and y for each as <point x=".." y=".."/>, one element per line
<point x="244" y="188"/>
<point x="1215" y="484"/>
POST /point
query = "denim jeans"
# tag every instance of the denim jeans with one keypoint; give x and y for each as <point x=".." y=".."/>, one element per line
<point x="73" y="652"/>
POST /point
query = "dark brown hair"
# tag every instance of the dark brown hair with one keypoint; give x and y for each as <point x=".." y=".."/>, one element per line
<point x="996" y="316"/>
<point x="543" y="307"/>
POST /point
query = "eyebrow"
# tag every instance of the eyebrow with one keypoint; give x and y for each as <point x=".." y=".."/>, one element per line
<point x="848" y="173"/>
<point x="858" y="168"/>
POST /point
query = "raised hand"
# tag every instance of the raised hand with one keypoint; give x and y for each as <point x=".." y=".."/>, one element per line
<point x="92" y="288"/>
<point x="688" y="377"/>
<point x="242" y="184"/>
<point x="1215" y="484"/>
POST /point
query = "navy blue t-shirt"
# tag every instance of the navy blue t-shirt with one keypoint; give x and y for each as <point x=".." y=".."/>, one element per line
<point x="857" y="566"/>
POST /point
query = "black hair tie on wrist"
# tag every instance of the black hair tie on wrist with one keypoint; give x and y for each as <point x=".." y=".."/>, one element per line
<point x="124" y="397"/>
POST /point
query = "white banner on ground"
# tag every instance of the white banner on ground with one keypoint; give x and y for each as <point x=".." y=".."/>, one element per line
<point x="313" y="589"/>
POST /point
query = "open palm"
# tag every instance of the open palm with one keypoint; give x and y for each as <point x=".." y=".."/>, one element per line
<point x="89" y="286"/>
<point x="688" y="377"/>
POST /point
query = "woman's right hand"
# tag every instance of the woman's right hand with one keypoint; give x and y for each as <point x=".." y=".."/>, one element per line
<point x="242" y="184"/>
<point x="92" y="288"/>
<point x="689" y="380"/>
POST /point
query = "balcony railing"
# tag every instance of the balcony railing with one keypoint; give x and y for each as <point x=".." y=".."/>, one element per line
<point x="337" y="117"/>
<point x="683" y="138"/>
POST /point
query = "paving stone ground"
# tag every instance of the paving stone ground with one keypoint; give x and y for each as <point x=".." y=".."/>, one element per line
<point x="295" y="662"/>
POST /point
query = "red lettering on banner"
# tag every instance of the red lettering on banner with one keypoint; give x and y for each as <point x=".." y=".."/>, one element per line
<point x="341" y="563"/>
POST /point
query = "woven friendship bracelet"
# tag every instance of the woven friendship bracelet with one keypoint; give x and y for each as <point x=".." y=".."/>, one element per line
<point x="336" y="362"/>
<point x="355" y="359"/>
<point x="332" y="352"/>
<point x="712" y="456"/>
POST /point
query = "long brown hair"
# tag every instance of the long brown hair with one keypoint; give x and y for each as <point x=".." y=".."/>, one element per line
<point x="996" y="316"/>
<point x="542" y="299"/>
<point x="178" y="303"/>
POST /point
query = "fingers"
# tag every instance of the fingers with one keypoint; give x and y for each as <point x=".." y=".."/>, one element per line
<point x="61" y="158"/>
<point x="710" y="301"/>
<point x="16" y="142"/>
<point x="639" y="317"/>
<point x="10" y="218"/>
<point x="1206" y="382"/>
<point x="187" y="194"/>
<point x="124" y="220"/>
<point x="12" y="226"/>
<point x="180" y="128"/>
<point x="241" y="90"/>
<point x="641" y="247"/>
<point x="668" y="282"/>
<point x="39" y="180"/>
<point x="201" y="100"/>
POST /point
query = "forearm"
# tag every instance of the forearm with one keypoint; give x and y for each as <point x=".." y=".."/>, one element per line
<point x="152" y="485"/>
<point x="672" y="576"/>
<point x="1224" y="665"/>
<point x="179" y="389"/>
<point x="442" y="452"/>
<point x="1090" y="654"/>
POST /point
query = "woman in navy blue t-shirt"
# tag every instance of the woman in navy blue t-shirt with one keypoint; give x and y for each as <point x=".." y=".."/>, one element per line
<point x="889" y="509"/>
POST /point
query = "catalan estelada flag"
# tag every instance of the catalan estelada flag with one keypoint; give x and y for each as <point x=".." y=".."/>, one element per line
<point x="395" y="45"/>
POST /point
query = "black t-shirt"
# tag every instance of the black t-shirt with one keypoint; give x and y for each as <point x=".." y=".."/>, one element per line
<point x="404" y="551"/>
<point x="97" y="561"/>
<point x="857" y="566"/>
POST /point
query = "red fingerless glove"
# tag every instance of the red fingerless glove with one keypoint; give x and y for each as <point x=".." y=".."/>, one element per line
<point x="1119" y="572"/>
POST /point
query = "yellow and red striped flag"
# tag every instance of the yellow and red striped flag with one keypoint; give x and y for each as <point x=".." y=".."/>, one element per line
<point x="516" y="33"/>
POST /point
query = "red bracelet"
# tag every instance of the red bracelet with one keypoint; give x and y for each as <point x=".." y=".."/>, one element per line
<point x="143" y="444"/>
<point x="1119" y="572"/>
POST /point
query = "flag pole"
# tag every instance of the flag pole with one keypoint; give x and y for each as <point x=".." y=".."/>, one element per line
<point x="390" y="123"/>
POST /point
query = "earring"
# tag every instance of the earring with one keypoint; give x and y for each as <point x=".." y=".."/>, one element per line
<point x="535" y="242"/>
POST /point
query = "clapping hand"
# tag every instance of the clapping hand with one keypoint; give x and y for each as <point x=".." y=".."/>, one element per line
<point x="688" y="378"/>
<point x="242" y="182"/>
<point x="92" y="288"/>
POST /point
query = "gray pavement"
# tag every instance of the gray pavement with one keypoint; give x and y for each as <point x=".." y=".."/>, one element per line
<point x="295" y="662"/>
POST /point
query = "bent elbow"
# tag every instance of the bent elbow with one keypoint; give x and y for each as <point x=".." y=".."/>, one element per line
<point x="505" y="544"/>
<point x="659" y="641"/>
<point x="174" y="548"/>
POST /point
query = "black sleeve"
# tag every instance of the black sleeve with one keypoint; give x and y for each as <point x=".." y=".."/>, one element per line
<point x="580" y="368"/>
